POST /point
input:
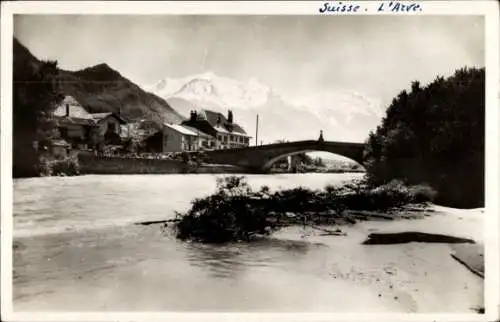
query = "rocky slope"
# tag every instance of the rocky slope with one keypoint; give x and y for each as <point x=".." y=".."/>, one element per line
<point x="102" y="89"/>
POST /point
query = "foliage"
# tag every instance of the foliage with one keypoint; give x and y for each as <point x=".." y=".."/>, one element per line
<point x="153" y="143"/>
<point x="318" y="162"/>
<point x="112" y="138"/>
<point x="66" y="167"/>
<point x="35" y="96"/>
<point x="434" y="135"/>
<point x="422" y="193"/>
<point x="304" y="158"/>
<point x="199" y="158"/>
<point x="130" y="145"/>
<point x="184" y="157"/>
<point x="235" y="212"/>
<point x="224" y="216"/>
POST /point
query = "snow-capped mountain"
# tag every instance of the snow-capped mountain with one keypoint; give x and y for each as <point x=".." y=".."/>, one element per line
<point x="343" y="115"/>
<point x="213" y="90"/>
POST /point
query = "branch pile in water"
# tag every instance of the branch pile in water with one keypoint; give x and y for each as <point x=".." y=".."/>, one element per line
<point x="236" y="213"/>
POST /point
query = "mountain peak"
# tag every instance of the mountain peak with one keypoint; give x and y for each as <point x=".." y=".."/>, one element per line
<point x="100" y="72"/>
<point x="101" y="66"/>
<point x="98" y="67"/>
<point x="343" y="114"/>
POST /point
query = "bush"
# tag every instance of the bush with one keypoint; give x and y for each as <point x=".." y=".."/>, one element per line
<point x="235" y="212"/>
<point x="66" y="167"/>
<point x="422" y="193"/>
<point x="228" y="215"/>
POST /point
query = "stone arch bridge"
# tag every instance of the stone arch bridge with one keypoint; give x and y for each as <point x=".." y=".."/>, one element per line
<point x="260" y="158"/>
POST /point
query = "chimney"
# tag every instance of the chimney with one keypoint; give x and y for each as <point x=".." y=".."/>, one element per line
<point x="67" y="109"/>
<point x="230" y="116"/>
<point x="192" y="118"/>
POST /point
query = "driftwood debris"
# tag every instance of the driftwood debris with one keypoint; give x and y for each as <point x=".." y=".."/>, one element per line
<point x="408" y="237"/>
<point x="369" y="214"/>
<point x="328" y="232"/>
<point x="146" y="223"/>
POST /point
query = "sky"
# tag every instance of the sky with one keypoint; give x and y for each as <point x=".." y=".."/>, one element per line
<point x="377" y="56"/>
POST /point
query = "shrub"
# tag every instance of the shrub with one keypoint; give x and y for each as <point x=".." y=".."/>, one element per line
<point x="422" y="193"/>
<point x="233" y="186"/>
<point x="391" y="195"/>
<point x="234" y="212"/>
<point x="185" y="157"/>
<point x="66" y="167"/>
<point x="228" y="215"/>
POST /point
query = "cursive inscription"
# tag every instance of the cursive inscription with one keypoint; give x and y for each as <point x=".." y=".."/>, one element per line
<point x="338" y="7"/>
<point x="397" y="6"/>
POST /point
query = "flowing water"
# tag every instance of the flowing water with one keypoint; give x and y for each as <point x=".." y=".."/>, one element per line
<point x="76" y="248"/>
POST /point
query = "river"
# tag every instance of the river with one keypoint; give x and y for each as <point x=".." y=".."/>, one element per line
<point x="77" y="249"/>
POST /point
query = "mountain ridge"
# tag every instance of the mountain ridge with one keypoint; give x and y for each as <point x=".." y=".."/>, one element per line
<point x="345" y="115"/>
<point x="100" y="88"/>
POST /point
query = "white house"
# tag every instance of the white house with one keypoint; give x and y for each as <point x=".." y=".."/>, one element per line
<point x="228" y="134"/>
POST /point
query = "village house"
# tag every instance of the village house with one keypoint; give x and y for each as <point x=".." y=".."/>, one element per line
<point x="178" y="138"/>
<point x="226" y="133"/>
<point x="84" y="130"/>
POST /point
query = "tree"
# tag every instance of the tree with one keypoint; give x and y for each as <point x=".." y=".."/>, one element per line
<point x="318" y="162"/>
<point x="434" y="135"/>
<point x="35" y="96"/>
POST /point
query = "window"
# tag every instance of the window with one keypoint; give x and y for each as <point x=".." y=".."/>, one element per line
<point x="225" y="138"/>
<point x="111" y="127"/>
<point x="219" y="137"/>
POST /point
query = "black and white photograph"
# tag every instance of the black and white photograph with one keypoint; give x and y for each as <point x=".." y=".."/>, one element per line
<point x="250" y="163"/>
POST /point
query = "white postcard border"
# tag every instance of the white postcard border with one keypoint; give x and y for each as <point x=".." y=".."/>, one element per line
<point x="492" y="260"/>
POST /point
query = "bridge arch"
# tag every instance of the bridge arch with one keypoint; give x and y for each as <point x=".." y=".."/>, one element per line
<point x="259" y="158"/>
<point x="269" y="163"/>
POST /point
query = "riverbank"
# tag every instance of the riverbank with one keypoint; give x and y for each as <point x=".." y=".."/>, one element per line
<point x="93" y="164"/>
<point x="87" y="163"/>
<point x="76" y="248"/>
<point x="138" y="268"/>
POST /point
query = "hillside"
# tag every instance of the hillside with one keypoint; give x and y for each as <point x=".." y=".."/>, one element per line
<point x="102" y="89"/>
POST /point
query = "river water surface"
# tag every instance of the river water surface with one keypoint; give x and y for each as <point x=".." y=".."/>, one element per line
<point x="76" y="248"/>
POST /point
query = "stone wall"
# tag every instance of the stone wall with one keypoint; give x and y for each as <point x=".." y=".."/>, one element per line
<point x="92" y="164"/>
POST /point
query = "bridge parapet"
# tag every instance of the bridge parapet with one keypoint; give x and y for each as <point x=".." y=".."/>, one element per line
<point x="260" y="158"/>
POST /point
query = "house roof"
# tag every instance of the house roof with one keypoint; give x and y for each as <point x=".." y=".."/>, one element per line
<point x="75" y="121"/>
<point x="98" y="117"/>
<point x="181" y="129"/>
<point x="78" y="115"/>
<point x="75" y="109"/>
<point x="199" y="132"/>
<point x="224" y="125"/>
